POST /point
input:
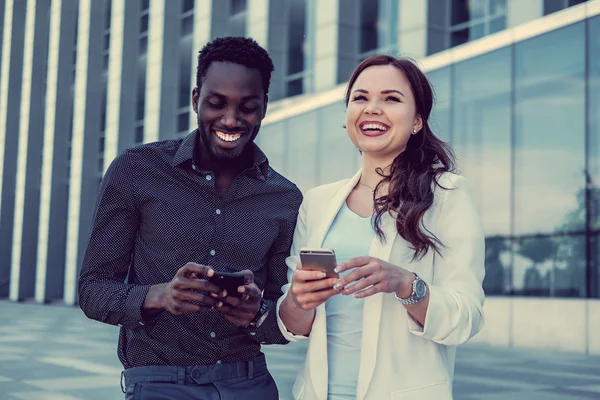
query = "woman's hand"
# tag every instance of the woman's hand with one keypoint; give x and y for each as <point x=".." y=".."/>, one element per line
<point x="309" y="289"/>
<point x="373" y="275"/>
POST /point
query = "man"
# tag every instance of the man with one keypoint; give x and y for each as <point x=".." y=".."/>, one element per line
<point x="171" y="214"/>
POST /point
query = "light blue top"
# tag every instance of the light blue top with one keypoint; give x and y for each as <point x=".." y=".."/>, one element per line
<point x="350" y="236"/>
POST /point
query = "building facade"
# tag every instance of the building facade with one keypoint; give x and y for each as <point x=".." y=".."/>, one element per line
<point x="518" y="97"/>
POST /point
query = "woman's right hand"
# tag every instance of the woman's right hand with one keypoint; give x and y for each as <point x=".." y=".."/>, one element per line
<point x="310" y="289"/>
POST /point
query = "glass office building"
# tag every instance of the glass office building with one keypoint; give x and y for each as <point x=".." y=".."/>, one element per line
<point x="518" y="97"/>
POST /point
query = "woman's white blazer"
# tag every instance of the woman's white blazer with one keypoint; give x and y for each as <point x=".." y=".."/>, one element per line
<point x="399" y="358"/>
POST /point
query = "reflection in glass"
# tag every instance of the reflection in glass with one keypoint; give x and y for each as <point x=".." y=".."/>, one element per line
<point x="481" y="133"/>
<point x="550" y="266"/>
<point x="550" y="131"/>
<point x="497" y="266"/>
<point x="303" y="166"/>
<point x="594" y="119"/>
<point x="337" y="155"/>
<point x="368" y="25"/>
<point x="439" y="120"/>
<point x="272" y="141"/>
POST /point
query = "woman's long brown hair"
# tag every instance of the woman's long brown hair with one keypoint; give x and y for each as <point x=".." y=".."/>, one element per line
<point x="414" y="173"/>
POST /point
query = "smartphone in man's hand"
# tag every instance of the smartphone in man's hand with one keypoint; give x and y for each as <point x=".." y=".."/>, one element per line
<point x="229" y="281"/>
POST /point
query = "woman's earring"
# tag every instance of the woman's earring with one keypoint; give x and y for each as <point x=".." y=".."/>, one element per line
<point x="414" y="130"/>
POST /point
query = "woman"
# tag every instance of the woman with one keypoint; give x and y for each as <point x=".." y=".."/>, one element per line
<point x="410" y="250"/>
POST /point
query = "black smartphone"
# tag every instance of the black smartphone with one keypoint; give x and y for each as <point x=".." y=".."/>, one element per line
<point x="229" y="281"/>
<point x="319" y="260"/>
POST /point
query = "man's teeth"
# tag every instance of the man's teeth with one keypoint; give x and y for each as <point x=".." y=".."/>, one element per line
<point x="227" y="137"/>
<point x="372" y="127"/>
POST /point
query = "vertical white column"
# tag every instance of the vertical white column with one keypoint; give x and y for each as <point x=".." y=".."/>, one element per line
<point x="519" y="12"/>
<point x="154" y="70"/>
<point x="22" y="151"/>
<point x="83" y="185"/>
<point x="4" y="81"/>
<point x="258" y="21"/>
<point x="49" y="278"/>
<point x="114" y="84"/>
<point x="326" y="44"/>
<point x="77" y="143"/>
<point x="202" y="28"/>
<point x="412" y="28"/>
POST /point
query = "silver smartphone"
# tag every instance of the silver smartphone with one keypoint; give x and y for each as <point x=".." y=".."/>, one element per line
<point x="319" y="260"/>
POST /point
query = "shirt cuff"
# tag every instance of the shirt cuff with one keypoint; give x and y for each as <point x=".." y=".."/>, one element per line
<point x="133" y="305"/>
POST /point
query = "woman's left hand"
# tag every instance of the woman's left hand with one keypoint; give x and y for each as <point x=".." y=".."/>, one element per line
<point x="377" y="275"/>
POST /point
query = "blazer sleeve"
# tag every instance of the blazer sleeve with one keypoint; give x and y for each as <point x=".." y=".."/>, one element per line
<point x="456" y="297"/>
<point x="299" y="241"/>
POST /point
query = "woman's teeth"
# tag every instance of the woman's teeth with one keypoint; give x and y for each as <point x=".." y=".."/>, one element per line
<point x="228" y="137"/>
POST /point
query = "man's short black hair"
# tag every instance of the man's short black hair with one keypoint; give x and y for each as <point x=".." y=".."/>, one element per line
<point x="238" y="50"/>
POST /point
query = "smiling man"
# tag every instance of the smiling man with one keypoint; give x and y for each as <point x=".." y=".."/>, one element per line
<point x="169" y="216"/>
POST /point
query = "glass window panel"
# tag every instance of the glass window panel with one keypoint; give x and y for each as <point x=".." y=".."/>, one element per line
<point x="303" y="144"/>
<point x="594" y="275"/>
<point x="187" y="5"/>
<point x="368" y="25"/>
<point x="460" y="12"/>
<point x="237" y="25"/>
<point x="141" y="90"/>
<point x="482" y="133"/>
<point x="143" y="45"/>
<point x="183" y="122"/>
<point x="107" y="13"/>
<point x="144" y="23"/>
<point x="144" y="4"/>
<point x="498" y="24"/>
<point x="187" y="25"/>
<point x="551" y="6"/>
<point x="139" y="134"/>
<point x="294" y="87"/>
<point x="271" y="140"/>
<point x="296" y="33"/>
<point x="594" y="118"/>
<point x="337" y="154"/>
<point x="550" y="131"/>
<point x="550" y="266"/>
<point x="237" y="6"/>
<point x="459" y="37"/>
<point x="497" y="7"/>
<point x="185" y="72"/>
<point x="497" y="266"/>
<point x="439" y="120"/>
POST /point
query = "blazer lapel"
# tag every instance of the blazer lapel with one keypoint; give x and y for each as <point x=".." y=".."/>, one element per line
<point x="318" y="365"/>
<point x="372" y="310"/>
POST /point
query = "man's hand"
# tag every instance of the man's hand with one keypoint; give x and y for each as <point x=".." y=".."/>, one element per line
<point x="177" y="296"/>
<point x="240" y="311"/>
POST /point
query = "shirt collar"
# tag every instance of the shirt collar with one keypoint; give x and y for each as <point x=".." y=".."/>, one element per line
<point x="185" y="153"/>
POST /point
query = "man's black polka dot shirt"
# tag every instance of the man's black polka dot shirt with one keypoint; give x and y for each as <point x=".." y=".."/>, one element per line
<point x="156" y="211"/>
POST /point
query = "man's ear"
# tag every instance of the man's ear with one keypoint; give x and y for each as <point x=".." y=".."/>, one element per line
<point x="195" y="97"/>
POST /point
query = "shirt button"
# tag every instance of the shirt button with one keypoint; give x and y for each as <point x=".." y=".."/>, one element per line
<point x="208" y="177"/>
<point x="219" y="362"/>
<point x="194" y="167"/>
<point x="252" y="333"/>
<point x="218" y="211"/>
<point x="212" y="335"/>
<point x="212" y="252"/>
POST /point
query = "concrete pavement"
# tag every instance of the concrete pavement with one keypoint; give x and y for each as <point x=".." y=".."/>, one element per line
<point x="54" y="352"/>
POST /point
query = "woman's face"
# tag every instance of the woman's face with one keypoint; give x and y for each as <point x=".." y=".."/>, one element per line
<point x="381" y="112"/>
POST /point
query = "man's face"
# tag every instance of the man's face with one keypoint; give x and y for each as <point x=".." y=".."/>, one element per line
<point x="230" y="105"/>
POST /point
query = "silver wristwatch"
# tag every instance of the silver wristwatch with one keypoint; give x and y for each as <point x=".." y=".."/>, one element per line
<point x="419" y="291"/>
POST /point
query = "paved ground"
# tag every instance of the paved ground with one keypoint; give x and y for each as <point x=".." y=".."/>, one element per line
<point x="55" y="353"/>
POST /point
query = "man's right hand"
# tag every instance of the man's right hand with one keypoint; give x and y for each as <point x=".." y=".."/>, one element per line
<point x="177" y="296"/>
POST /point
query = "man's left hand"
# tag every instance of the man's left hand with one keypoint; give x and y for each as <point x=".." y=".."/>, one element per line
<point x="240" y="311"/>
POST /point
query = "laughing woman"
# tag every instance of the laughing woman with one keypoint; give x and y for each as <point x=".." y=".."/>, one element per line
<point x="410" y="247"/>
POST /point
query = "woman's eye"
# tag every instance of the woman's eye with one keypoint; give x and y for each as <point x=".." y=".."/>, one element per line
<point x="392" y="98"/>
<point x="359" y="97"/>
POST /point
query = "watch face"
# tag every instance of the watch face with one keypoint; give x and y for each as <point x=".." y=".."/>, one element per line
<point x="420" y="289"/>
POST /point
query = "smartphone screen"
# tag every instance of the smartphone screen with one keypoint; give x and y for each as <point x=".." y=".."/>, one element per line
<point x="229" y="281"/>
<point x="319" y="260"/>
